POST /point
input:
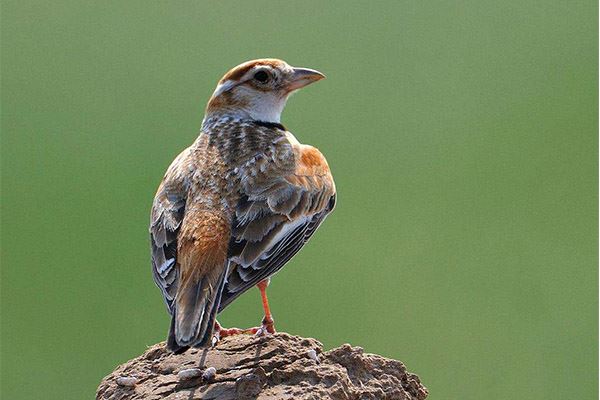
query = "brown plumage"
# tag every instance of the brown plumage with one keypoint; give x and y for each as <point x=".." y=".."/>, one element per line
<point x="237" y="204"/>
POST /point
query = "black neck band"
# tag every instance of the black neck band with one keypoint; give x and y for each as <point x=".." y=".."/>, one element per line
<point x="272" y="125"/>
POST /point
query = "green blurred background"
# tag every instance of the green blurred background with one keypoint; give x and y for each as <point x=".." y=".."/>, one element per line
<point x="462" y="136"/>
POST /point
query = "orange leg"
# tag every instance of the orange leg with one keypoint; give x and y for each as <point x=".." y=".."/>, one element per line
<point x="268" y="325"/>
<point x="267" y="321"/>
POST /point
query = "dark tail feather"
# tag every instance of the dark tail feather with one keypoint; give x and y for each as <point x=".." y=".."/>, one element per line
<point x="196" y="311"/>
<point x="209" y="326"/>
<point x="172" y="342"/>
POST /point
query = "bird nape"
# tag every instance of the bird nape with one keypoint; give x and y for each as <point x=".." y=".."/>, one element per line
<point x="238" y="204"/>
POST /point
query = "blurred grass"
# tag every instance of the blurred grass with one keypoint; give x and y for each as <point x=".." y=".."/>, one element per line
<point x="462" y="136"/>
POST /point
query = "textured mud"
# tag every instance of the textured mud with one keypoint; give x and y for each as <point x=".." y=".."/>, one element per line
<point x="277" y="366"/>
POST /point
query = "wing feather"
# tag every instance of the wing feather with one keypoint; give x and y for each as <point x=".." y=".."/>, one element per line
<point x="275" y="217"/>
<point x="165" y="221"/>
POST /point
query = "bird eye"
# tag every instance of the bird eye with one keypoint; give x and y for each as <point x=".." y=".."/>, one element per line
<point x="261" y="76"/>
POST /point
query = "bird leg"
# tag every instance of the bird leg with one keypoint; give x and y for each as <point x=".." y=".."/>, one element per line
<point x="267" y="326"/>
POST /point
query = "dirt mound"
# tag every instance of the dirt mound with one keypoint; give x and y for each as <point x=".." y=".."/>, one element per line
<point x="277" y="366"/>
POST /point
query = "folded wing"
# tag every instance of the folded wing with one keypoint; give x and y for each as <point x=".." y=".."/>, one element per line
<point x="275" y="217"/>
<point x="165" y="222"/>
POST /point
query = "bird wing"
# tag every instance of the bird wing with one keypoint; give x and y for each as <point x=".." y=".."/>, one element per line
<point x="277" y="213"/>
<point x="165" y="221"/>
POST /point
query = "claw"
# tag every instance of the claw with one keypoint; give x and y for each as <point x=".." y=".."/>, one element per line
<point x="262" y="331"/>
<point x="268" y="324"/>
<point x="215" y="339"/>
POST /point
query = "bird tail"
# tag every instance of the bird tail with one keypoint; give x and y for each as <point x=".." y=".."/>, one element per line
<point x="196" y="305"/>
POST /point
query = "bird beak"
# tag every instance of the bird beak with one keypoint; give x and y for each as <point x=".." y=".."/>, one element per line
<point x="302" y="77"/>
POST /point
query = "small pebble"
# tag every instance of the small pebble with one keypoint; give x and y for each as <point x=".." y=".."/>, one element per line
<point x="189" y="373"/>
<point x="312" y="354"/>
<point x="127" y="381"/>
<point x="209" y="374"/>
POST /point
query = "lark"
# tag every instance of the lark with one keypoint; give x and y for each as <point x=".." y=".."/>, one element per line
<point x="238" y="204"/>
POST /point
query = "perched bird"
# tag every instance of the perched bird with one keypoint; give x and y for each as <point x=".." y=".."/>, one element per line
<point x="238" y="204"/>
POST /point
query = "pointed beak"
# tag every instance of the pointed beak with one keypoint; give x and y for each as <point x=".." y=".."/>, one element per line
<point x="301" y="77"/>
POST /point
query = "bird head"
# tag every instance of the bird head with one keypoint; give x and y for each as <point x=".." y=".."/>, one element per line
<point x="259" y="89"/>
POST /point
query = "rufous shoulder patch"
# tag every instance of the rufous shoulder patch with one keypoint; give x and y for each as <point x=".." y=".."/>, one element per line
<point x="312" y="157"/>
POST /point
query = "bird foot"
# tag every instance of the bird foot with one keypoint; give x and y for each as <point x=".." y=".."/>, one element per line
<point x="266" y="328"/>
<point x="268" y="325"/>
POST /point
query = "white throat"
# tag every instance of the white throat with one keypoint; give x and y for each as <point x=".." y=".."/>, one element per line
<point x="267" y="111"/>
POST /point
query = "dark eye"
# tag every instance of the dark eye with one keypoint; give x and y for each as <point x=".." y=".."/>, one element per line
<point x="261" y="76"/>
